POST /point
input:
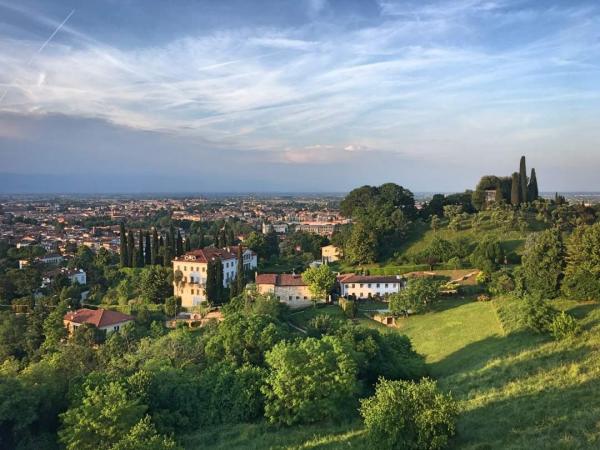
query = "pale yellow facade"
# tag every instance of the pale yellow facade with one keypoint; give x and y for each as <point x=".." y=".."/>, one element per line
<point x="330" y="253"/>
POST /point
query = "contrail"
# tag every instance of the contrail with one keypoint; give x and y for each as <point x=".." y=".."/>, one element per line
<point x="41" y="49"/>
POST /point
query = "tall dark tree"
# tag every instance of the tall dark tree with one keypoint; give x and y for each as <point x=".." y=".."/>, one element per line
<point x="230" y="236"/>
<point x="187" y="244"/>
<point x="523" y="180"/>
<point x="161" y="251"/>
<point x="147" y="250"/>
<point x="240" y="279"/>
<point x="212" y="288"/>
<point x="271" y="243"/>
<point x="179" y="244"/>
<point x="201" y="240"/>
<point x="168" y="251"/>
<point x="172" y="239"/>
<point x="219" y="281"/>
<point x="533" y="187"/>
<point x="131" y="249"/>
<point x="515" y="192"/>
<point x="155" y="247"/>
<point x="139" y="260"/>
<point x="124" y="258"/>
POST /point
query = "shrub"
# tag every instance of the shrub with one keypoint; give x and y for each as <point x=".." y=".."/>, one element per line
<point x="537" y="315"/>
<point x="564" y="326"/>
<point x="350" y="307"/>
<point x="309" y="381"/>
<point x="409" y="415"/>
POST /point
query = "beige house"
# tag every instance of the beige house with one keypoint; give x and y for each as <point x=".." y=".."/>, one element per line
<point x="287" y="288"/>
<point x="190" y="270"/>
<point x="330" y="253"/>
<point x="103" y="319"/>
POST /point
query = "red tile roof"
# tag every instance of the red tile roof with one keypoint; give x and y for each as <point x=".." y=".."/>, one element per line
<point x="97" y="317"/>
<point x="204" y="255"/>
<point x="368" y="279"/>
<point x="283" y="279"/>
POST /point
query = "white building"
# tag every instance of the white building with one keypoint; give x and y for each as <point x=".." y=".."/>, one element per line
<point x="190" y="271"/>
<point x="365" y="286"/>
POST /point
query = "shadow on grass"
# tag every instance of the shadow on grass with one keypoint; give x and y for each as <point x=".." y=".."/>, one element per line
<point x="548" y="418"/>
<point x="477" y="354"/>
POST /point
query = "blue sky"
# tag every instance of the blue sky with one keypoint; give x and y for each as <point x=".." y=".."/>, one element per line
<point x="299" y="95"/>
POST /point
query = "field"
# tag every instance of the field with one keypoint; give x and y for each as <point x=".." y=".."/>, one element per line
<point x="516" y="390"/>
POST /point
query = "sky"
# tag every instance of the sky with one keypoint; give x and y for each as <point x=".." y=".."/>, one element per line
<point x="296" y="95"/>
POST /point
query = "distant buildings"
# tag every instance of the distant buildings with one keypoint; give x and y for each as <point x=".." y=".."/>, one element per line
<point x="103" y="319"/>
<point x="190" y="285"/>
<point x="287" y="288"/>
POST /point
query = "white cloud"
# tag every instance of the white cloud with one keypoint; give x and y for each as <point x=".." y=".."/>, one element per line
<point x="403" y="85"/>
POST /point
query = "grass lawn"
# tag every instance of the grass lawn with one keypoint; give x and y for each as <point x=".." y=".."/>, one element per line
<point x="516" y="390"/>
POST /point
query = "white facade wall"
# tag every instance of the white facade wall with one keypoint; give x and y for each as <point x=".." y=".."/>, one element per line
<point x="362" y="290"/>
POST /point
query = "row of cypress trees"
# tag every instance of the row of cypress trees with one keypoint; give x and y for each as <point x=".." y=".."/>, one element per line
<point x="151" y="249"/>
<point x="523" y="189"/>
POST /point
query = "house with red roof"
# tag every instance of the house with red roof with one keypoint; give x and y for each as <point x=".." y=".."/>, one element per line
<point x="190" y="271"/>
<point x="365" y="286"/>
<point x="103" y="319"/>
<point x="287" y="288"/>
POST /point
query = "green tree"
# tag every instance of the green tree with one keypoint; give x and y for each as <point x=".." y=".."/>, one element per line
<point x="515" y="191"/>
<point x="532" y="188"/>
<point x="147" y="250"/>
<point x="179" y="244"/>
<point x="310" y="380"/>
<point x="417" y="297"/>
<point x="155" y="284"/>
<point x="320" y="281"/>
<point x="143" y="436"/>
<point x="240" y="279"/>
<point x="140" y="252"/>
<point x="123" y="253"/>
<point x="155" y="248"/>
<point x="582" y="271"/>
<point x="544" y="263"/>
<point x="523" y="180"/>
<point x="171" y="306"/>
<point x="54" y="328"/>
<point x="131" y="249"/>
<point x="409" y="415"/>
<point x="104" y="416"/>
<point x="361" y="247"/>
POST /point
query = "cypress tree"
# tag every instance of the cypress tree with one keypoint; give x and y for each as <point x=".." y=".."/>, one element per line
<point x="124" y="259"/>
<point x="499" y="198"/>
<point x="515" y="192"/>
<point x="201" y="240"/>
<point x="140" y="252"/>
<point x="210" y="286"/>
<point x="172" y="240"/>
<point x="219" y="281"/>
<point x="533" y="187"/>
<point x="179" y="244"/>
<point x="155" y="249"/>
<point x="240" y="279"/>
<point x="131" y="249"/>
<point x="523" y="180"/>
<point x="161" y="248"/>
<point x="188" y="244"/>
<point x="168" y="251"/>
<point x="148" y="250"/>
<point x="230" y="237"/>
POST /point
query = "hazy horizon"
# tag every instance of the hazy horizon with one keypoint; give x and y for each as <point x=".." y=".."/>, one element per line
<point x="296" y="96"/>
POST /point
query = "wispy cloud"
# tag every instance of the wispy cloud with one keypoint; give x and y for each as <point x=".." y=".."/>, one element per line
<point x="404" y="83"/>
